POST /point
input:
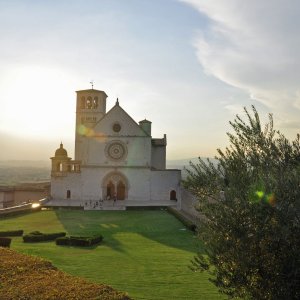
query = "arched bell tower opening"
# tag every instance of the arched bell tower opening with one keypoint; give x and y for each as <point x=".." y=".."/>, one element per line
<point x="115" y="184"/>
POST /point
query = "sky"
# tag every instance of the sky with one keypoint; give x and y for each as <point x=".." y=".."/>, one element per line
<point x="189" y="66"/>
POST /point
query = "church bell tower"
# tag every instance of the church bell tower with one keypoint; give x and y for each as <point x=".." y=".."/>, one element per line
<point x="90" y="108"/>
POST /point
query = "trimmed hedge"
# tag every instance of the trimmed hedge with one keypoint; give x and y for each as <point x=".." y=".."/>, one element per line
<point x="186" y="222"/>
<point x="80" y="241"/>
<point x="36" y="236"/>
<point x="12" y="233"/>
<point x="5" y="242"/>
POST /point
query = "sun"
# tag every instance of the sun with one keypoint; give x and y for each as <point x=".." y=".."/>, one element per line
<point x="37" y="101"/>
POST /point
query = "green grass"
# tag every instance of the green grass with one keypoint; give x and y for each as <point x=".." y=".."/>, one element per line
<point x="145" y="253"/>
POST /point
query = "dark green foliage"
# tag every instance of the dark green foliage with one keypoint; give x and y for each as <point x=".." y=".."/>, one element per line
<point x="63" y="241"/>
<point x="186" y="222"/>
<point x="12" y="233"/>
<point x="5" y="242"/>
<point x="80" y="241"/>
<point x="37" y="236"/>
<point x="250" y="203"/>
<point x="35" y="233"/>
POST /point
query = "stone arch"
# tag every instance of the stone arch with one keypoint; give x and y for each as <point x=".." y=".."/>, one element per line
<point x="115" y="184"/>
<point x="89" y="102"/>
<point x="95" y="102"/>
<point x="59" y="166"/>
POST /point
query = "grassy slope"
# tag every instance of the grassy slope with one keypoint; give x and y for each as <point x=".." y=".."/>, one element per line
<point x="145" y="253"/>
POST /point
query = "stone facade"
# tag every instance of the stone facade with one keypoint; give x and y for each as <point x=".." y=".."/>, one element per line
<point x="115" y="159"/>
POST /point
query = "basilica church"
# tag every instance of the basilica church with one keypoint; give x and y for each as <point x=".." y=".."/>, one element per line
<point x="117" y="163"/>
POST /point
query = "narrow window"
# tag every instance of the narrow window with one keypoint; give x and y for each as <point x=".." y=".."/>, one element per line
<point x="173" y="195"/>
<point x="68" y="194"/>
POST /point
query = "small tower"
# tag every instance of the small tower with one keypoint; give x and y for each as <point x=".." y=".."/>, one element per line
<point x="90" y="108"/>
<point x="60" y="161"/>
<point x="146" y="126"/>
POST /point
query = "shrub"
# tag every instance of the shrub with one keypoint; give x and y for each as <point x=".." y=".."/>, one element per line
<point x="5" y="242"/>
<point x="63" y="241"/>
<point x="12" y="233"/>
<point x="37" y="236"/>
<point x="186" y="222"/>
<point x="80" y="241"/>
<point x="35" y="233"/>
<point x="28" y="277"/>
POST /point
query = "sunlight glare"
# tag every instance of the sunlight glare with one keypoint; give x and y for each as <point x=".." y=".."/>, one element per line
<point x="37" y="101"/>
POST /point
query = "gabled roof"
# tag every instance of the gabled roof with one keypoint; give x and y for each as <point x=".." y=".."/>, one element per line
<point x="115" y="107"/>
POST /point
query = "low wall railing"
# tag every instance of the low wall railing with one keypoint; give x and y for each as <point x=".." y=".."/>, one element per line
<point x="34" y="206"/>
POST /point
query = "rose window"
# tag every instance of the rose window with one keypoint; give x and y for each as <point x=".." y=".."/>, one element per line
<point x="116" y="150"/>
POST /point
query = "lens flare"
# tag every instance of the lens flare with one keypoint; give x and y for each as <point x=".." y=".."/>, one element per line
<point x="271" y="199"/>
<point x="263" y="197"/>
<point x="259" y="194"/>
<point x="90" y="132"/>
<point x="86" y="131"/>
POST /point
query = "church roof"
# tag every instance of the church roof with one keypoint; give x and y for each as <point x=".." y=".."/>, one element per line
<point x="145" y="121"/>
<point x="61" y="151"/>
<point x="91" y="90"/>
<point x="117" y="106"/>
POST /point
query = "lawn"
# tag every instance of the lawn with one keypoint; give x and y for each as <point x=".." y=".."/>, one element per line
<point x="145" y="253"/>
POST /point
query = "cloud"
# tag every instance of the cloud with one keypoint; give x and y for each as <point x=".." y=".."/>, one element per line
<point x="254" y="46"/>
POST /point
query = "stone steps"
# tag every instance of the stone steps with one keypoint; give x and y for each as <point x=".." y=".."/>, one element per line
<point x="106" y="208"/>
<point x="109" y="205"/>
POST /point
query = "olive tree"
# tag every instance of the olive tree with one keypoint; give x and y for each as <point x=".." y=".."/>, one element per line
<point x="250" y="207"/>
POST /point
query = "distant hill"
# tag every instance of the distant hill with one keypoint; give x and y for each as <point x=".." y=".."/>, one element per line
<point x="27" y="148"/>
<point x="26" y="163"/>
<point x="14" y="172"/>
<point x="181" y="163"/>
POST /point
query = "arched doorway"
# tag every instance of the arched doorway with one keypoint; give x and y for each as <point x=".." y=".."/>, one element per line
<point x="115" y="184"/>
<point x="120" y="190"/>
<point x="173" y="195"/>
